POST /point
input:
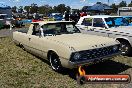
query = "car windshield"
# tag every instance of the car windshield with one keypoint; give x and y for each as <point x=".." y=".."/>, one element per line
<point x="60" y="28"/>
<point x="116" y="21"/>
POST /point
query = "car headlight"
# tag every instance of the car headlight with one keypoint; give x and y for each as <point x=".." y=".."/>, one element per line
<point x="76" y="56"/>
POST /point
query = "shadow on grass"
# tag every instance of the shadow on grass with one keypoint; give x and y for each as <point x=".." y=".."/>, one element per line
<point x="129" y="55"/>
<point x="107" y="67"/>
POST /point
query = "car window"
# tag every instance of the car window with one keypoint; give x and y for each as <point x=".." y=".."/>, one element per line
<point x="87" y="22"/>
<point x="36" y="29"/>
<point x="60" y="28"/>
<point x="50" y="28"/>
<point x="116" y="21"/>
<point x="98" y="22"/>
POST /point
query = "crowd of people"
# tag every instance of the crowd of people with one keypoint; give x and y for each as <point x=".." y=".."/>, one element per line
<point x="67" y="16"/>
<point x="73" y="16"/>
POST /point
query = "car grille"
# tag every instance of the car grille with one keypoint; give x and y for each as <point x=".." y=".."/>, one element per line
<point x="96" y="53"/>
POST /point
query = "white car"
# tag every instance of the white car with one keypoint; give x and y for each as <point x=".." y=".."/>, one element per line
<point x="108" y="26"/>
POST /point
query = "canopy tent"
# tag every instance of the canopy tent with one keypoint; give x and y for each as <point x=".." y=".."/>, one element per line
<point x="99" y="7"/>
<point x="4" y="9"/>
<point x="2" y="6"/>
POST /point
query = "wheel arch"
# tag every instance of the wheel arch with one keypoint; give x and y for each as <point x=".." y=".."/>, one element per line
<point x="123" y="40"/>
<point x="51" y="51"/>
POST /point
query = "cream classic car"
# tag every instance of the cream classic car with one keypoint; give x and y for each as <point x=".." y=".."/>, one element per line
<point x="62" y="44"/>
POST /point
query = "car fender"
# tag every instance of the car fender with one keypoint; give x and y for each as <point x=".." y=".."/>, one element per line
<point x="125" y="38"/>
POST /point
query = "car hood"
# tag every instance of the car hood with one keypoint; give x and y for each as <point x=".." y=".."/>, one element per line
<point x="82" y="41"/>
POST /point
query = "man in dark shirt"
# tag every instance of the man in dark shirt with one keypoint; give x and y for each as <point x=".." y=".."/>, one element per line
<point x="66" y="16"/>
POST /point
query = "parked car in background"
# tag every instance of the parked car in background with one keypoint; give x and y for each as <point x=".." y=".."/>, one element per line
<point x="62" y="44"/>
<point x="108" y="26"/>
<point x="56" y="16"/>
<point x="5" y="20"/>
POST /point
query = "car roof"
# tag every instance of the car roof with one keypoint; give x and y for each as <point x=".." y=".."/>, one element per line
<point x="126" y="16"/>
<point x="94" y="16"/>
<point x="100" y="16"/>
<point x="46" y="22"/>
<point x="103" y="16"/>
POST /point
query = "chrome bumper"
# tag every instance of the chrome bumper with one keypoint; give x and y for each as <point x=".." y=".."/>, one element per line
<point x="92" y="61"/>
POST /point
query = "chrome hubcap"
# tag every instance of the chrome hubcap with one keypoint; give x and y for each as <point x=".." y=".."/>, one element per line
<point x="124" y="49"/>
<point x="54" y="63"/>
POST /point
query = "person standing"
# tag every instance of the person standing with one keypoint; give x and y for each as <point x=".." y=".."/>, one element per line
<point x="83" y="14"/>
<point x="66" y="16"/>
<point x="72" y="16"/>
<point x="78" y="15"/>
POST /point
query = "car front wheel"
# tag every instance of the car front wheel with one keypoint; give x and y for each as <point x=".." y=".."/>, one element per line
<point x="125" y="48"/>
<point x="55" y="62"/>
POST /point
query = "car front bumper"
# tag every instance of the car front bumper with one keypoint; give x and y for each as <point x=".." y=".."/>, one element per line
<point x="92" y="61"/>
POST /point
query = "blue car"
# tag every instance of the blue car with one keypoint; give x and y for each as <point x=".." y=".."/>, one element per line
<point x="25" y="21"/>
<point x="56" y="16"/>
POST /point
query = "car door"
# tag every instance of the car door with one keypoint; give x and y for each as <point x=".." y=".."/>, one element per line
<point x="112" y="31"/>
<point x="98" y="27"/>
<point x="36" y="41"/>
<point x="86" y="26"/>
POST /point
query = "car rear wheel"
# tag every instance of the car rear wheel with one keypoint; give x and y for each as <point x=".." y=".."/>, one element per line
<point x="55" y="62"/>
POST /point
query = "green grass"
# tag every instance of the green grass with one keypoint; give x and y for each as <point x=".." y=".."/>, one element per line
<point x="20" y="69"/>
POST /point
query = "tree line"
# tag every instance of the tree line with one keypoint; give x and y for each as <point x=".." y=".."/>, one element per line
<point x="61" y="8"/>
<point x="44" y="9"/>
<point x="121" y="4"/>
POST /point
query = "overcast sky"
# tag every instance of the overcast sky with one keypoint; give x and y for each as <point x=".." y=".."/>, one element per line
<point x="71" y="3"/>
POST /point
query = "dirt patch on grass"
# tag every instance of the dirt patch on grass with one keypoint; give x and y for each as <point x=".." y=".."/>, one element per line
<point x="20" y="69"/>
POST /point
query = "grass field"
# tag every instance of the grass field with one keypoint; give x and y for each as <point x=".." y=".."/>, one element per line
<point x="20" y="69"/>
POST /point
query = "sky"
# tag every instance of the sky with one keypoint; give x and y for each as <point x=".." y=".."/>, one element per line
<point x="71" y="3"/>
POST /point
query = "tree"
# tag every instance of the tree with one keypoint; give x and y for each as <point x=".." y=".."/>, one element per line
<point x="33" y="8"/>
<point x="61" y="8"/>
<point x="85" y="8"/>
<point x="68" y="8"/>
<point x="130" y="5"/>
<point x="45" y="9"/>
<point x="20" y="10"/>
<point x="114" y="7"/>
<point x="123" y="4"/>
<point x="14" y="9"/>
<point x="27" y="8"/>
